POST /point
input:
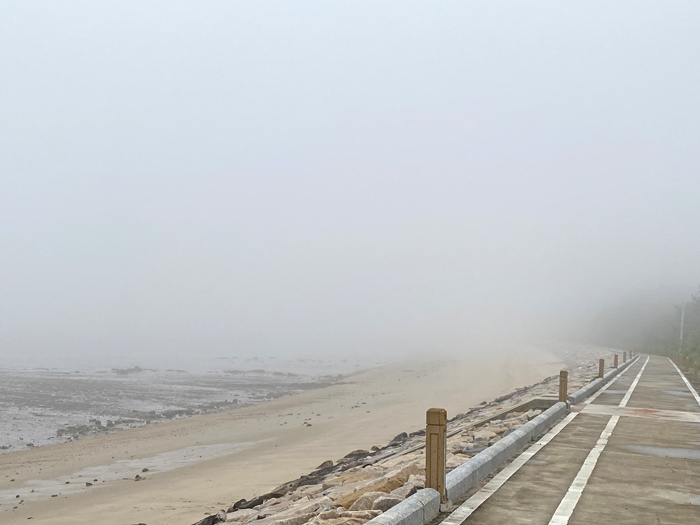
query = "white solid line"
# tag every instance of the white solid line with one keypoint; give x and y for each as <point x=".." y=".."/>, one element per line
<point x="594" y="396"/>
<point x="687" y="383"/>
<point x="568" y="504"/>
<point x="649" y="413"/>
<point x="625" y="399"/>
<point x="466" y="509"/>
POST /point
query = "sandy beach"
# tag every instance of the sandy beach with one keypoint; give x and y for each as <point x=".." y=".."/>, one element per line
<point x="199" y="465"/>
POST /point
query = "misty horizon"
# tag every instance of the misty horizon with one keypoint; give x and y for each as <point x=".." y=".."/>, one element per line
<point x="182" y="180"/>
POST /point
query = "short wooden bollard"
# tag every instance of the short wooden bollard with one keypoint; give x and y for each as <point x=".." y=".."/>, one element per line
<point x="615" y="361"/>
<point x="435" y="450"/>
<point x="624" y="357"/>
<point x="563" y="385"/>
<point x="695" y="375"/>
<point x="601" y="367"/>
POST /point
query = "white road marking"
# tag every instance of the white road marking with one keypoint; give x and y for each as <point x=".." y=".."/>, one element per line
<point x="468" y="507"/>
<point x="594" y="396"/>
<point x="687" y="383"/>
<point x="465" y="509"/>
<point x="625" y="399"/>
<point x="568" y="503"/>
<point x="650" y="413"/>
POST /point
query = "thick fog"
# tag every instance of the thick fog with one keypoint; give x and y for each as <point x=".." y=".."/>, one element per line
<point x="212" y="178"/>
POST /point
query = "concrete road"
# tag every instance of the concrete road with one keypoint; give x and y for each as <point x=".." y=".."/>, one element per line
<point x="630" y="454"/>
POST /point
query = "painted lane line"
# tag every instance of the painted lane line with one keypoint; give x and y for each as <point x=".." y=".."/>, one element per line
<point x="649" y="413"/>
<point x="625" y="399"/>
<point x="594" y="396"/>
<point x="465" y="510"/>
<point x="687" y="383"/>
<point x="568" y="504"/>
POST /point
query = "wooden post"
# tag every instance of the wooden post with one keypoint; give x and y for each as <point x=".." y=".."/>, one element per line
<point x="563" y="385"/>
<point x="615" y="361"/>
<point x="624" y="357"/>
<point x="695" y="375"/>
<point x="436" y="450"/>
<point x="601" y="367"/>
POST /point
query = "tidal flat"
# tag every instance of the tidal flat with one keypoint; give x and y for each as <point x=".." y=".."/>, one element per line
<point x="42" y="406"/>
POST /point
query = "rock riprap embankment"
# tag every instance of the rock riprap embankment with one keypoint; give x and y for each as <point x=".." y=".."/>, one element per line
<point x="365" y="483"/>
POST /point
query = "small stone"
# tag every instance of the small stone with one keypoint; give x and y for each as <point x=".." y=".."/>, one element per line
<point x="417" y="480"/>
<point x="358" y="453"/>
<point x="404" y="492"/>
<point x="366" y="501"/>
<point x="145" y="470"/>
<point x="138" y="478"/>
<point x="384" y="503"/>
<point x="484" y="435"/>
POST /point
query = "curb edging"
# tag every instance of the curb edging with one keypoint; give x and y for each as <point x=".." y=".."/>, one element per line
<point x="424" y="505"/>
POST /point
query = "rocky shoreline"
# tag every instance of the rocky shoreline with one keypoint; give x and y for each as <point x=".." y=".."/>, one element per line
<point x="365" y="483"/>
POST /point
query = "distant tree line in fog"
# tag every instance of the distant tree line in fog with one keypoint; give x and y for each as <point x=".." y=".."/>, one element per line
<point x="649" y="322"/>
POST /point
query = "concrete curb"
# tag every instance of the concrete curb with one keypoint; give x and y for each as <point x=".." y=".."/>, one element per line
<point x="420" y="508"/>
<point x="424" y="505"/>
<point x="464" y="477"/>
<point x="591" y="388"/>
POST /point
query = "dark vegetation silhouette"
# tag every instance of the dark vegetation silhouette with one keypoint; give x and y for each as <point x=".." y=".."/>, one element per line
<point x="650" y="322"/>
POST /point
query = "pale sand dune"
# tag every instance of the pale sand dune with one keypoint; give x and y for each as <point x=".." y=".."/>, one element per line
<point x="247" y="451"/>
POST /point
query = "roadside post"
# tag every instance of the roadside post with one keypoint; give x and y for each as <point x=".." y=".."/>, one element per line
<point x="624" y="357"/>
<point x="563" y="385"/>
<point x="615" y="361"/>
<point x="601" y="367"/>
<point x="436" y="451"/>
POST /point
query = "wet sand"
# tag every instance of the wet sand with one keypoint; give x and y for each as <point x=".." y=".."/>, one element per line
<point x="248" y="451"/>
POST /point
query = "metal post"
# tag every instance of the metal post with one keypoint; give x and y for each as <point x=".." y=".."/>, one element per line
<point x="680" y="341"/>
<point x="435" y="451"/>
<point x="563" y="385"/>
<point x="601" y="367"/>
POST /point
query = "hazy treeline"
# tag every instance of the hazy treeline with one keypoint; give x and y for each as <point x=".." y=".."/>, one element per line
<point x="650" y="322"/>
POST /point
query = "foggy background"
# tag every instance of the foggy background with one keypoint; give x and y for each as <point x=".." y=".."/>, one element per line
<point x="191" y="179"/>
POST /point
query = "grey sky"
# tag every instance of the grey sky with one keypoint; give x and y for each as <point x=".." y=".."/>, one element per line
<point x="217" y="177"/>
